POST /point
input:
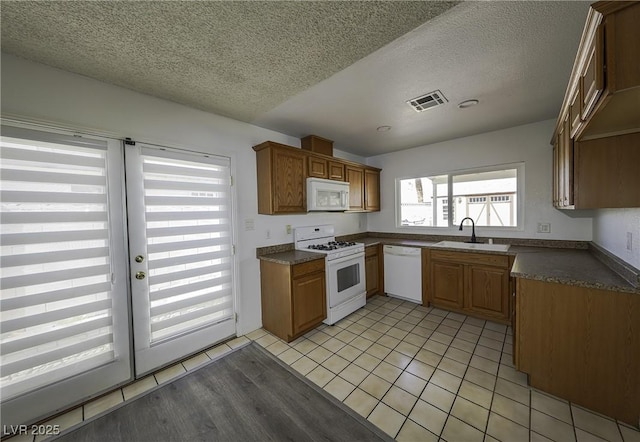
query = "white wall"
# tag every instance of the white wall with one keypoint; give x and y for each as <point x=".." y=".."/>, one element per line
<point x="610" y="227"/>
<point x="39" y="92"/>
<point x="528" y="144"/>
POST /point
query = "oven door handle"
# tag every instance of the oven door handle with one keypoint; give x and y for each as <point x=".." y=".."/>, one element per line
<point x="346" y="258"/>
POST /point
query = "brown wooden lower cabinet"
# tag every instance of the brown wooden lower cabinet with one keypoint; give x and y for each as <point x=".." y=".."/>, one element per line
<point x="447" y="282"/>
<point x="487" y="287"/>
<point x="293" y="297"/>
<point x="581" y="344"/>
<point x="373" y="263"/>
<point x="476" y="284"/>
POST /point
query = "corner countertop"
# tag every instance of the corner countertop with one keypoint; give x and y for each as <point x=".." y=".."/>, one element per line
<point x="572" y="267"/>
<point x="292" y="257"/>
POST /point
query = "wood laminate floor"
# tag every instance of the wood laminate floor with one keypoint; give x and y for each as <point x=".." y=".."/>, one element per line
<point x="245" y="396"/>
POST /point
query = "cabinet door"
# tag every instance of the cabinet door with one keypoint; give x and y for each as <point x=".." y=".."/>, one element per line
<point x="567" y="166"/>
<point x="371" y="190"/>
<point x="317" y="167"/>
<point x="355" y="177"/>
<point x="592" y="77"/>
<point x="371" y="268"/>
<point x="289" y="181"/>
<point x="309" y="302"/>
<point x="447" y="284"/>
<point x="336" y="171"/>
<point x="487" y="291"/>
<point x="608" y="172"/>
<point x="556" y="168"/>
<point x="575" y="112"/>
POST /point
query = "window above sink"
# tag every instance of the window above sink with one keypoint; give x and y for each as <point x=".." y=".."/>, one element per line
<point x="491" y="196"/>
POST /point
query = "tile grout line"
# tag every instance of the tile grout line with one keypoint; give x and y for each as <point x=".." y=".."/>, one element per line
<point x="409" y="324"/>
<point x="460" y="386"/>
<point x="406" y="416"/>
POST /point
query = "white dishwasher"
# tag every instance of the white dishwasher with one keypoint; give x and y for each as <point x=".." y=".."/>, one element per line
<point x="403" y="272"/>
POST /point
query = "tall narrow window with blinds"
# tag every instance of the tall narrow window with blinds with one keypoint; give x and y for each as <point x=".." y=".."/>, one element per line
<point x="57" y="255"/>
<point x="183" y="262"/>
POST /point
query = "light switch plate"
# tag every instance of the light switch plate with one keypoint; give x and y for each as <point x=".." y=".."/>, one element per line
<point x="629" y="241"/>
<point x="249" y="224"/>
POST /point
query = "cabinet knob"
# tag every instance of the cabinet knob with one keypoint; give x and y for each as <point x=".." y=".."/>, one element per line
<point x="141" y="275"/>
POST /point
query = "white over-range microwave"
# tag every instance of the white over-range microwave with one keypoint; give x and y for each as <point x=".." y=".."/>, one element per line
<point x="327" y="195"/>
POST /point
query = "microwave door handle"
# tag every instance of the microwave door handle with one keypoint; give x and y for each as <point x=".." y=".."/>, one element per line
<point x="343" y="198"/>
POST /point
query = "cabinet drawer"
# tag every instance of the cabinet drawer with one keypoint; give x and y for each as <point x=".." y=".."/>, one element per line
<point x="471" y="258"/>
<point x="316" y="265"/>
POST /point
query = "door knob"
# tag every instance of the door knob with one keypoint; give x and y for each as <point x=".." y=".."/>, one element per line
<point x="139" y="258"/>
<point x="141" y="275"/>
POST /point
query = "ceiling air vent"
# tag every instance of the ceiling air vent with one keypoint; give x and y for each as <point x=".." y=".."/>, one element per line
<point x="427" y="101"/>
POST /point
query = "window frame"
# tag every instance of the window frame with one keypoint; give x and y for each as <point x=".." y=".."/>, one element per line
<point x="520" y="196"/>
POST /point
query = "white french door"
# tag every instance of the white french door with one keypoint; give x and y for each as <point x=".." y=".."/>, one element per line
<point x="64" y="330"/>
<point x="70" y="288"/>
<point x="180" y="246"/>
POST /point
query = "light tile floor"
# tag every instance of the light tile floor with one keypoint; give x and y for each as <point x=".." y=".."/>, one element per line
<point x="423" y="374"/>
<point x="419" y="374"/>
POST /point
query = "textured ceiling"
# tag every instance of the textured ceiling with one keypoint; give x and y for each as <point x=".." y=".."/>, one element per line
<point x="238" y="59"/>
<point x="337" y="69"/>
<point x="513" y="56"/>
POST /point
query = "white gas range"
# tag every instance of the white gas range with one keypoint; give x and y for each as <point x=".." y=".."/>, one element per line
<point x="344" y="262"/>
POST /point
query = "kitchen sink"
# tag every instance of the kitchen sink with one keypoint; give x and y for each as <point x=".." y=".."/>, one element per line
<point x="473" y="246"/>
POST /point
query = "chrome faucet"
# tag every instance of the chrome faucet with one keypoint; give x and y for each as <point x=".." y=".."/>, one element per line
<point x="473" y="228"/>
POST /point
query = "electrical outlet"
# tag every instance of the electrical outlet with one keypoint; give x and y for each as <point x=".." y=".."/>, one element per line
<point x="268" y="233"/>
<point x="544" y="227"/>
<point x="629" y="241"/>
<point x="288" y="229"/>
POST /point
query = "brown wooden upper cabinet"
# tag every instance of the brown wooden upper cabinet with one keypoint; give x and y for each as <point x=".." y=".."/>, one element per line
<point x="283" y="170"/>
<point x="371" y="190"/>
<point x="318" y="167"/>
<point x="597" y="133"/>
<point x="355" y="178"/>
<point x="282" y="173"/>
<point x="336" y="170"/>
<point x="322" y="168"/>
<point x="364" y="188"/>
<point x="563" y="168"/>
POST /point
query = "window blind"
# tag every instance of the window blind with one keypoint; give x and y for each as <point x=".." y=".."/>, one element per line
<point x="188" y="230"/>
<point x="56" y="282"/>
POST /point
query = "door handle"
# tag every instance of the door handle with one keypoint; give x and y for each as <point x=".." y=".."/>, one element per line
<point x="141" y="275"/>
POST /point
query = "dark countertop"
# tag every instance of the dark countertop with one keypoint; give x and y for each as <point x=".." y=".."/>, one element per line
<point x="566" y="266"/>
<point x="292" y="257"/>
<point x="572" y="267"/>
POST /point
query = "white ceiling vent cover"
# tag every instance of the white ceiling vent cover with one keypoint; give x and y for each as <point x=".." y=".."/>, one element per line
<point x="427" y="101"/>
